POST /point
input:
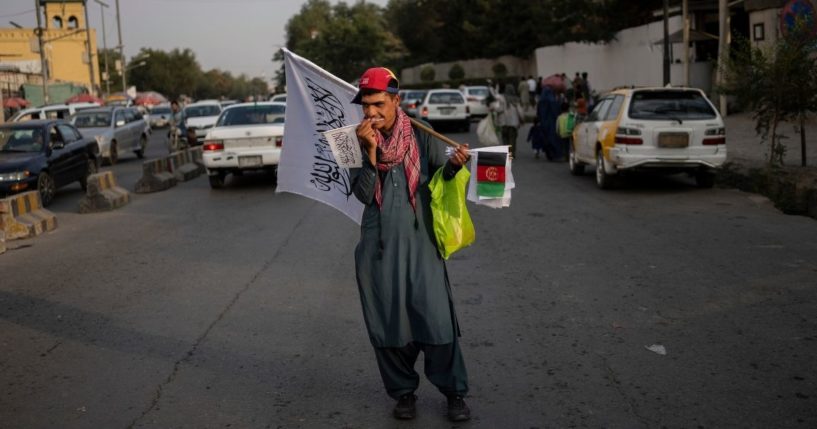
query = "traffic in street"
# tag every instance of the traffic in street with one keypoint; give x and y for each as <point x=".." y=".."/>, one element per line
<point x="656" y="304"/>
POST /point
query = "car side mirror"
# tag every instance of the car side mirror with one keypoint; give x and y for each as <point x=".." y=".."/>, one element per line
<point x="120" y="123"/>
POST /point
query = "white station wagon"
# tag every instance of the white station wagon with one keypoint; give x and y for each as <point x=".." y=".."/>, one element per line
<point x="669" y="130"/>
<point x="247" y="136"/>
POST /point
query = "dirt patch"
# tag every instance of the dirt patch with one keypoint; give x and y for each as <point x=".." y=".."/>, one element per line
<point x="793" y="190"/>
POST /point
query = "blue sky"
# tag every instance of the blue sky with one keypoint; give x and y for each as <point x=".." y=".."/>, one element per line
<point x="240" y="36"/>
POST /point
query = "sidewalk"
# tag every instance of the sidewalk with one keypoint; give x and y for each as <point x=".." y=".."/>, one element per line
<point x="793" y="189"/>
<point x="744" y="145"/>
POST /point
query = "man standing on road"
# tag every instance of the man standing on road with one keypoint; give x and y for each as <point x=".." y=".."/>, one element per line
<point x="177" y="130"/>
<point x="402" y="279"/>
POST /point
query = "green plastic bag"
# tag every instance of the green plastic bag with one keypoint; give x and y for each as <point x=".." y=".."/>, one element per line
<point x="452" y="223"/>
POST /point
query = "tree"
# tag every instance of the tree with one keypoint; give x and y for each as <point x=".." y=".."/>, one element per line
<point x="456" y="72"/>
<point x="345" y="40"/>
<point x="427" y="74"/>
<point x="500" y="70"/>
<point x="779" y="84"/>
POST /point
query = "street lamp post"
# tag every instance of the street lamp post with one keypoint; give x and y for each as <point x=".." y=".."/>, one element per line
<point x="90" y="54"/>
<point x="105" y="46"/>
<point x="666" y="44"/>
<point x="43" y="66"/>
<point x="121" y="47"/>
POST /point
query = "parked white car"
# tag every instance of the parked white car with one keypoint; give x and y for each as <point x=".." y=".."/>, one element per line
<point x="51" y="111"/>
<point x="281" y="98"/>
<point x="201" y="116"/>
<point x="661" y="129"/>
<point x="116" y="129"/>
<point x="445" y="106"/>
<point x="247" y="136"/>
<point x="475" y="96"/>
<point x="410" y="99"/>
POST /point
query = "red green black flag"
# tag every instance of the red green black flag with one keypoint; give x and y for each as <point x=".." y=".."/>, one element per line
<point x="491" y="174"/>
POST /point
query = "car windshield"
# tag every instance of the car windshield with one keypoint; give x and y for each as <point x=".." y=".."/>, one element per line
<point x="251" y="115"/>
<point x="672" y="105"/>
<point x="414" y="95"/>
<point x="21" y="139"/>
<point x="92" y="120"/>
<point x="199" y="111"/>
<point x="446" y="98"/>
<point x="160" y="111"/>
<point x="479" y="92"/>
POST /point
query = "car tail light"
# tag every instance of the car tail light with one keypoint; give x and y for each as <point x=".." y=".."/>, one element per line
<point x="213" y="146"/>
<point x="412" y="105"/>
<point x="424" y="112"/>
<point x="279" y="141"/>
<point x="467" y="110"/>
<point x="715" y="136"/>
<point x="628" y="136"/>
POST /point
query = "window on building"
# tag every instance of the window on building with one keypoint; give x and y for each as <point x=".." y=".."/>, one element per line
<point x="73" y="22"/>
<point x="57" y="22"/>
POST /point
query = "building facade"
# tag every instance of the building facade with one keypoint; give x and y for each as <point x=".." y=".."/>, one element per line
<point x="65" y="46"/>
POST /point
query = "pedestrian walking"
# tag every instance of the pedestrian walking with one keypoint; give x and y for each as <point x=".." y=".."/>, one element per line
<point x="524" y="93"/>
<point x="536" y="136"/>
<point x="587" y="91"/>
<point x="508" y="116"/>
<point x="548" y="110"/>
<point x="402" y="279"/>
<point x="564" y="128"/>
<point x="533" y="89"/>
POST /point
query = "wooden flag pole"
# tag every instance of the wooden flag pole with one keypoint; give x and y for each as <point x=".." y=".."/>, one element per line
<point x="445" y="139"/>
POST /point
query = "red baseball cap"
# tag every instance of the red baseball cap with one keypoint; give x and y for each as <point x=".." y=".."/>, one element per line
<point x="378" y="79"/>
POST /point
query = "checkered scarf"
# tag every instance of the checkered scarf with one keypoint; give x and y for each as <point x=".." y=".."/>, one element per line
<point x="399" y="148"/>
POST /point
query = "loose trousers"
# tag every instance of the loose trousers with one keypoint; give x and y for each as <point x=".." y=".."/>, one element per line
<point x="444" y="367"/>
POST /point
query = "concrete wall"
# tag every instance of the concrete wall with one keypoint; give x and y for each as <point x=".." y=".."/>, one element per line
<point x="770" y="20"/>
<point x="479" y="68"/>
<point x="634" y="57"/>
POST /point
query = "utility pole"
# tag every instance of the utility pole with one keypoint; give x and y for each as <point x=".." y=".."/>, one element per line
<point x="105" y="47"/>
<point x="88" y="43"/>
<point x="121" y="47"/>
<point x="43" y="67"/>
<point x="723" y="47"/>
<point x="666" y="44"/>
<point x="685" y="13"/>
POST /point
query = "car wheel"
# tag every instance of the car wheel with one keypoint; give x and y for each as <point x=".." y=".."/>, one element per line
<point x="46" y="187"/>
<point x="143" y="144"/>
<point x="705" y="179"/>
<point x="603" y="180"/>
<point x="217" y="180"/>
<point x="466" y="126"/>
<point x="576" y="167"/>
<point x="90" y="168"/>
<point x="114" y="154"/>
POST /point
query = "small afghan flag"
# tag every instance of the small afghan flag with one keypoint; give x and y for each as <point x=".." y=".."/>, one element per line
<point x="491" y="174"/>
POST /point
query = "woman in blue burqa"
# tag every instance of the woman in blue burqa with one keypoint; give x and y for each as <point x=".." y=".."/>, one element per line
<point x="549" y="109"/>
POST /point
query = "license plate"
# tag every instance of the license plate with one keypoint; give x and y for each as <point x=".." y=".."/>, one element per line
<point x="444" y="111"/>
<point x="249" y="161"/>
<point x="673" y="140"/>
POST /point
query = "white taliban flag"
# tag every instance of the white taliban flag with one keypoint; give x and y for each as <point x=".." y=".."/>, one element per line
<point x="317" y="101"/>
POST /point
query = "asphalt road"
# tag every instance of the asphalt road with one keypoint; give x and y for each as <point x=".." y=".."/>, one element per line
<point x="238" y="308"/>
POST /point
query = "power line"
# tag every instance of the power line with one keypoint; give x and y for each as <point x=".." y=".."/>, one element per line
<point x="17" y="14"/>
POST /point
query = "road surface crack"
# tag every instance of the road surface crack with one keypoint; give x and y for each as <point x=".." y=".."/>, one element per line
<point x="633" y="408"/>
<point x="189" y="354"/>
